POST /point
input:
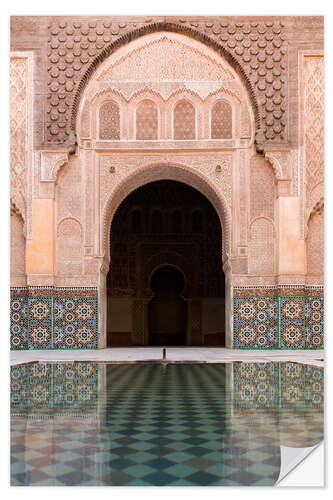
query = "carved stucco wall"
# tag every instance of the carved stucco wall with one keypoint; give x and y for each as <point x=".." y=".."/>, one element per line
<point x="109" y="122"/>
<point x="311" y="116"/>
<point x="17" y="250"/>
<point x="21" y="134"/>
<point x="69" y="247"/>
<point x="262" y="217"/>
<point x="257" y="47"/>
<point x="315" y="243"/>
<point x="268" y="74"/>
<point x="172" y="87"/>
<point x="113" y="72"/>
<point x="313" y="113"/>
<point x="146" y="120"/>
<point x="68" y="220"/>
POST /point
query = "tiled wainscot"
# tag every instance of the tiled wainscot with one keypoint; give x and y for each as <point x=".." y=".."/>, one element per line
<point x="54" y="319"/>
<point x="278" y="322"/>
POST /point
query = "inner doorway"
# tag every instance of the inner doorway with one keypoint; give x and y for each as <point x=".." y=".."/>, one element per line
<point x="165" y="284"/>
<point x="167" y="309"/>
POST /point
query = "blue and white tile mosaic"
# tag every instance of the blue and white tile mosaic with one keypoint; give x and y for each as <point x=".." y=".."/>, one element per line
<point x="75" y="323"/>
<point x="255" y="385"/>
<point x="53" y="322"/>
<point x="255" y="322"/>
<point x="314" y="322"/>
<point x="278" y="322"/>
<point x="40" y="322"/>
<point x="18" y="323"/>
<point x="277" y="385"/>
<point x="54" y="386"/>
<point x="292" y="327"/>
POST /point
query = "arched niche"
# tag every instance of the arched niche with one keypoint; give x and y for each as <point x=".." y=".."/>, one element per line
<point x="162" y="65"/>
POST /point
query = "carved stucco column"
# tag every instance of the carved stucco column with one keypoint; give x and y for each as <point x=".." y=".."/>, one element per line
<point x="291" y="245"/>
<point x="102" y="304"/>
<point x="40" y="250"/>
<point x="229" y="316"/>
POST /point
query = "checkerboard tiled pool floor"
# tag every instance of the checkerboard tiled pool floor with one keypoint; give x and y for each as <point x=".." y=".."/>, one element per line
<point x="158" y="425"/>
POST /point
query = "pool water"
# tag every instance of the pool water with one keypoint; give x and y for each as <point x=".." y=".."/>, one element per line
<point x="84" y="423"/>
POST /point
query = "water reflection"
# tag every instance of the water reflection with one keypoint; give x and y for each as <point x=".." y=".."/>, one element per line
<point x="180" y="424"/>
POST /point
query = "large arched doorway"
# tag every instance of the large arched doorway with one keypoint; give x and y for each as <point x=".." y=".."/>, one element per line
<point x="166" y="260"/>
<point x="167" y="310"/>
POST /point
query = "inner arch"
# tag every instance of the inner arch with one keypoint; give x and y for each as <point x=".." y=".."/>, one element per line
<point x="165" y="285"/>
<point x="155" y="172"/>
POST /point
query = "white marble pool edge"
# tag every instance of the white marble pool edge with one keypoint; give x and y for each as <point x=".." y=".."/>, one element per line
<point x="173" y="355"/>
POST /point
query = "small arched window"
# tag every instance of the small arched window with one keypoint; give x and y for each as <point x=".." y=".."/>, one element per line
<point x="109" y="121"/>
<point x="196" y="221"/>
<point x="136" y="222"/>
<point x="157" y="222"/>
<point x="176" y="222"/>
<point x="184" y="121"/>
<point x="146" y="121"/>
<point x="221" y="121"/>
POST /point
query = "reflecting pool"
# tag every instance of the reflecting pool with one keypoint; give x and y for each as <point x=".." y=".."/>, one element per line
<point x="86" y="423"/>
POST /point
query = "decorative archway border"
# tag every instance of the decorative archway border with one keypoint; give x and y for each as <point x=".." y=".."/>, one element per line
<point x="152" y="28"/>
<point x="157" y="171"/>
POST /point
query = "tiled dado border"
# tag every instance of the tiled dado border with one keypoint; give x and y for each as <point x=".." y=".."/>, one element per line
<point x="53" y="318"/>
<point x="278" y="318"/>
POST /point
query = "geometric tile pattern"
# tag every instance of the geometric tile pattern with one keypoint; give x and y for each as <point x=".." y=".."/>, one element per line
<point x="256" y="385"/>
<point x="75" y="322"/>
<point x="40" y="322"/>
<point x="294" y="322"/>
<point x="54" y="322"/>
<point x="255" y="322"/>
<point x="314" y="322"/>
<point x="30" y="386"/>
<point x="301" y="385"/>
<point x="277" y="385"/>
<point x="292" y="331"/>
<point x="53" y="386"/>
<point x="18" y="323"/>
<point x="75" y="385"/>
<point x="171" y="425"/>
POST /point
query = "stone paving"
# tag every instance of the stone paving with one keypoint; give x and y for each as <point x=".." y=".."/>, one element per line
<point x="173" y="355"/>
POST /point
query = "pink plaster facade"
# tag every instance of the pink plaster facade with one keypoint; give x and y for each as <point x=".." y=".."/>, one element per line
<point x="233" y="107"/>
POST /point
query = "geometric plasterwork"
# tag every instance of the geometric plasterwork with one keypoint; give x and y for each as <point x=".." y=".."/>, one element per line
<point x="315" y="241"/>
<point x="174" y="65"/>
<point x="281" y="161"/>
<point x="189" y="92"/>
<point x="311" y="130"/>
<point x="50" y="164"/>
<point x="313" y="73"/>
<point x="21" y="95"/>
<point x="180" y="61"/>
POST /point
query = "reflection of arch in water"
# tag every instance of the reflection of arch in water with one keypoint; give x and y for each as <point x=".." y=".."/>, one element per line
<point x="167" y="309"/>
